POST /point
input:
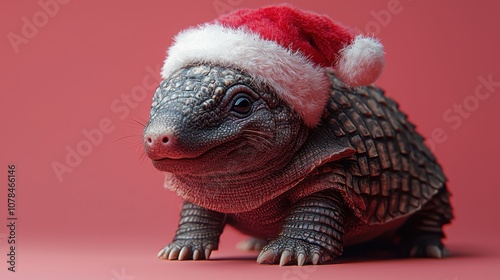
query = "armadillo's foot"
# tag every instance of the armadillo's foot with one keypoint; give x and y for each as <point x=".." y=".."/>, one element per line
<point x="187" y="250"/>
<point x="422" y="233"/>
<point x="198" y="234"/>
<point x="312" y="232"/>
<point x="286" y="250"/>
<point x="424" y="246"/>
<point x="252" y="244"/>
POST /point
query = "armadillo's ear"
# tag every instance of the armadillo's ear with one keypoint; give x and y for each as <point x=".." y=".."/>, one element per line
<point x="323" y="146"/>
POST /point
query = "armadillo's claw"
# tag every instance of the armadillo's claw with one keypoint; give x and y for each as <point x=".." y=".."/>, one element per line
<point x="424" y="246"/>
<point x="163" y="254"/>
<point x="286" y="257"/>
<point x="429" y="251"/>
<point x="208" y="252"/>
<point x="196" y="255"/>
<point x="413" y="252"/>
<point x="433" y="252"/>
<point x="187" y="250"/>
<point x="284" y="251"/>
<point x="174" y="253"/>
<point x="266" y="256"/>
<point x="183" y="254"/>
<point x="301" y="259"/>
<point x="315" y="259"/>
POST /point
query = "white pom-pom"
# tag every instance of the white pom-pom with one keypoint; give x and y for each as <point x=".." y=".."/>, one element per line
<point x="361" y="62"/>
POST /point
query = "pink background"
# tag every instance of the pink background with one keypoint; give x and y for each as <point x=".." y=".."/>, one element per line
<point x="87" y="63"/>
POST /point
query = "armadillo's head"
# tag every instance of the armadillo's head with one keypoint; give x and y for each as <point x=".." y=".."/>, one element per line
<point x="210" y="120"/>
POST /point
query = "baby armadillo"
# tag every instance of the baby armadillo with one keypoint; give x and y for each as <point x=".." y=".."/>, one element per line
<point x="305" y="161"/>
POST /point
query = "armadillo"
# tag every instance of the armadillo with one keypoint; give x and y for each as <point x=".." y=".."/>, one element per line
<point x="303" y="182"/>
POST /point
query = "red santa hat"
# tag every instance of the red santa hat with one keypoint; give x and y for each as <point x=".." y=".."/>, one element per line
<point x="286" y="48"/>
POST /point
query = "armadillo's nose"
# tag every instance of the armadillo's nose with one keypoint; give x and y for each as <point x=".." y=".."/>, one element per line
<point x="158" y="145"/>
<point x="163" y="139"/>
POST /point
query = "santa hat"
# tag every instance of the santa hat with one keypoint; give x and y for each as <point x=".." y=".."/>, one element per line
<point x="286" y="48"/>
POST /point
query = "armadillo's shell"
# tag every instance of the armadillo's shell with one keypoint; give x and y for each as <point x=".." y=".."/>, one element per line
<point x="393" y="173"/>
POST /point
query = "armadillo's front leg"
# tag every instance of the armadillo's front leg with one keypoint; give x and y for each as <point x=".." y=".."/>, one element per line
<point x="197" y="235"/>
<point x="312" y="232"/>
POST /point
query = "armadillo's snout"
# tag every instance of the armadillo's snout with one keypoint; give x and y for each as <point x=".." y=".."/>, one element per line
<point x="160" y="145"/>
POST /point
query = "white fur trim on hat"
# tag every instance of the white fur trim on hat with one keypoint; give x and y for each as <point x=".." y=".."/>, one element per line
<point x="361" y="62"/>
<point x="303" y="85"/>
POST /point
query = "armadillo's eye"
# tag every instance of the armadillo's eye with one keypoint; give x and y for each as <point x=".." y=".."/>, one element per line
<point x="240" y="100"/>
<point x="242" y="105"/>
